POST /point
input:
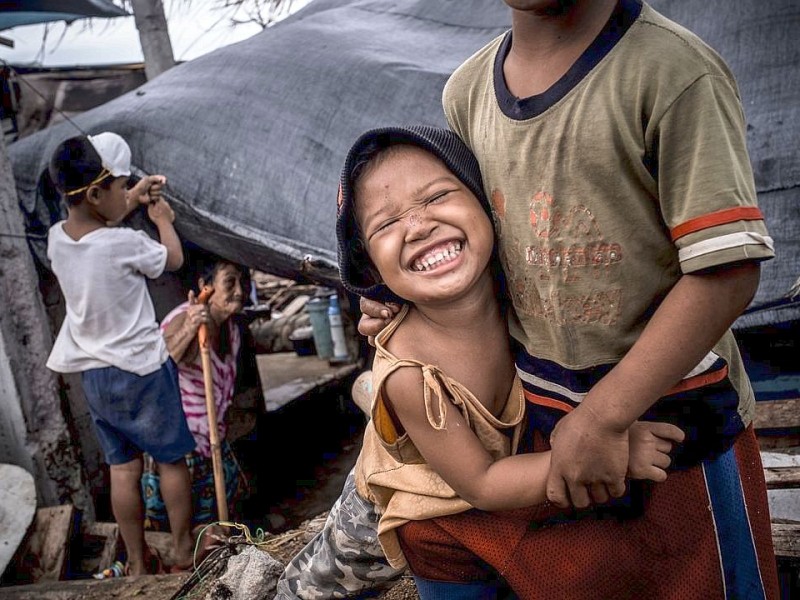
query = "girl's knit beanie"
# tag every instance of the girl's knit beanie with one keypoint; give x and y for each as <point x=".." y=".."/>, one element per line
<point x="355" y="269"/>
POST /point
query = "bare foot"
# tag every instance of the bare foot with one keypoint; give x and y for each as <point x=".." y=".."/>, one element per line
<point x="135" y="569"/>
<point x="213" y="537"/>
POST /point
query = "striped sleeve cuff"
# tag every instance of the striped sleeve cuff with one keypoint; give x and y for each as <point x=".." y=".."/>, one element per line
<point x="723" y="237"/>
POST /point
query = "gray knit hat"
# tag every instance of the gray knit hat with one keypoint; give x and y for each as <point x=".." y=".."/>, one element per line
<point x="355" y="268"/>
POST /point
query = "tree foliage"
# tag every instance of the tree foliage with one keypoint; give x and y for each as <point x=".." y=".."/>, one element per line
<point x="262" y="12"/>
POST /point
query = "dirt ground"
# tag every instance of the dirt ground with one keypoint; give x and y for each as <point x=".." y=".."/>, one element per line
<point x="282" y="547"/>
<point x="309" y="510"/>
<point x="147" y="587"/>
<point x="303" y="513"/>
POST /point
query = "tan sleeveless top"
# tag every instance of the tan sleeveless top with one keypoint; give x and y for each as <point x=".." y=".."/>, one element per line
<point x="391" y="473"/>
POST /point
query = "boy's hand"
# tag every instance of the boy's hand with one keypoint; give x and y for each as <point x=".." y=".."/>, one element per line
<point x="147" y="190"/>
<point x="650" y="445"/>
<point x="375" y="316"/>
<point x="589" y="460"/>
<point x="160" y="212"/>
<point x="157" y="183"/>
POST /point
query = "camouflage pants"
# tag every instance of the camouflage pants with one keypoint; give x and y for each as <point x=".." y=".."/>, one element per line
<point x="344" y="560"/>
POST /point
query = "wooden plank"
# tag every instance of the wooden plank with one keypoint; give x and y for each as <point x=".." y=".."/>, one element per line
<point x="777" y="414"/>
<point x="161" y="542"/>
<point x="285" y="376"/>
<point x="44" y="555"/>
<point x="780" y="478"/>
<point x="149" y="587"/>
<point x="786" y="538"/>
<point x="777" y="440"/>
<point x="295" y="306"/>
<point x="100" y="546"/>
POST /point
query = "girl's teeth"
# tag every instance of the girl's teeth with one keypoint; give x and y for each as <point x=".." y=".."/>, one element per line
<point x="446" y="254"/>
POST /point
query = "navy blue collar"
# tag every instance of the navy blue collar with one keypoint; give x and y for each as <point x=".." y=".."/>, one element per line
<point x="624" y="15"/>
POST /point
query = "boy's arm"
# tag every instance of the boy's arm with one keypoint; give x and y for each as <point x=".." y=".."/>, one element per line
<point x="146" y="191"/>
<point x="375" y="316"/>
<point x="590" y="445"/>
<point x="161" y="215"/>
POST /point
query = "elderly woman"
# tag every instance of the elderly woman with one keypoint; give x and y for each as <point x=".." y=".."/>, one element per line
<point x="233" y="368"/>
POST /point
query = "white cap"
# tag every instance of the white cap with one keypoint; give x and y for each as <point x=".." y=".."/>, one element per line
<point x="114" y="153"/>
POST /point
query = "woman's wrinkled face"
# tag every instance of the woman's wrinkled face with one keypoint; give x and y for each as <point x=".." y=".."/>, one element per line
<point x="228" y="296"/>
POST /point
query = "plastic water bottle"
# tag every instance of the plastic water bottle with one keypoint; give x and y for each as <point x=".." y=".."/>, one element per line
<point x="337" y="330"/>
<point x="317" y="309"/>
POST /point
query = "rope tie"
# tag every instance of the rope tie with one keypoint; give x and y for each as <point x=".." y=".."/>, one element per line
<point x="436" y="390"/>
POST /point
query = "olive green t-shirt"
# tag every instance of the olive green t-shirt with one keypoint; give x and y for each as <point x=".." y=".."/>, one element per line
<point x="628" y="173"/>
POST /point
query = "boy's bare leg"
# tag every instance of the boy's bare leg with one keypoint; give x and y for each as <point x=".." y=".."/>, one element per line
<point x="128" y="508"/>
<point x="176" y="489"/>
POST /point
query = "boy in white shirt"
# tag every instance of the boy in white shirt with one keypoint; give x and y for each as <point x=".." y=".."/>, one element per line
<point x="110" y="334"/>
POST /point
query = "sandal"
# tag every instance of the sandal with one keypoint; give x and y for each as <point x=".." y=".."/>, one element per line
<point x="154" y="566"/>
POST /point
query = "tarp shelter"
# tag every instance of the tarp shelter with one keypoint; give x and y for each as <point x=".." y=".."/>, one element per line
<point x="252" y="136"/>
<point x="15" y="13"/>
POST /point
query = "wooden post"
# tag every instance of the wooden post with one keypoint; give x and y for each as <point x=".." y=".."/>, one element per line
<point x="211" y="410"/>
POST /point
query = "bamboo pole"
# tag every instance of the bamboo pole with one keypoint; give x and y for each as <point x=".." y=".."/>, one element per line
<point x="211" y="410"/>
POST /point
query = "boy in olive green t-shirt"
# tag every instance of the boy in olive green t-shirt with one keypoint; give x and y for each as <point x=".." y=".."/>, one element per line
<point x="612" y="146"/>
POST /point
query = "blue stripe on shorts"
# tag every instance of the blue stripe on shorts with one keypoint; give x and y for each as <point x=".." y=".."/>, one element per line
<point x="736" y="545"/>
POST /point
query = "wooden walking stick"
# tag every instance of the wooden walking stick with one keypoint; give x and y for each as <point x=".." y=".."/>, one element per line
<point x="211" y="410"/>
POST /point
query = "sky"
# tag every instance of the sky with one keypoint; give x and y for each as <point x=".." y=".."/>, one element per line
<point x="195" y="27"/>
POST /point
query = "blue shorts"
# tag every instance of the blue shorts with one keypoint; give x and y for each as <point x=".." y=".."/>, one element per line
<point x="134" y="414"/>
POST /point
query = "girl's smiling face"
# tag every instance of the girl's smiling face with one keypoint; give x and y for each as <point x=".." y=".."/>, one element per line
<point x="228" y="296"/>
<point x="425" y="231"/>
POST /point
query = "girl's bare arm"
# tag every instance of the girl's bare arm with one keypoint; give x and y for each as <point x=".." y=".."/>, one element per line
<point x="458" y="456"/>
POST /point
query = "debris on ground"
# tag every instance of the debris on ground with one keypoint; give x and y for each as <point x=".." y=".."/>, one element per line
<point x="248" y="568"/>
<point x="17" y="509"/>
<point x="280" y="310"/>
<point x="249" y="574"/>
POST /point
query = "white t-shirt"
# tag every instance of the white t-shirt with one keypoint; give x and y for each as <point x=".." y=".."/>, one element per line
<point x="110" y="319"/>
